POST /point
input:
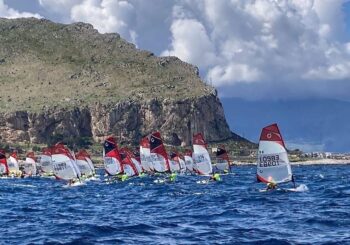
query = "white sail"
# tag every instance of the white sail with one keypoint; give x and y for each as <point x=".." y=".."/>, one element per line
<point x="189" y="163"/>
<point x="111" y="157"/>
<point x="159" y="162"/>
<point x="29" y="167"/>
<point x="91" y="165"/>
<point x="174" y="166"/>
<point x="273" y="163"/>
<point x="46" y="164"/>
<point x="13" y="165"/>
<point x="84" y="167"/>
<point x="63" y="167"/>
<point x="145" y="156"/>
<point x="201" y="157"/>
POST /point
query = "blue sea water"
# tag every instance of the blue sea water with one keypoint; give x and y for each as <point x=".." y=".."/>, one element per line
<point x="233" y="211"/>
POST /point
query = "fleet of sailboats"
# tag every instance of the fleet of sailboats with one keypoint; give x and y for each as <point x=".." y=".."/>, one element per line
<point x="151" y="158"/>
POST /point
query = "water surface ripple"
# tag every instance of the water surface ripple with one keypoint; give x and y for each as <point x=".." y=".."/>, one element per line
<point x="41" y="211"/>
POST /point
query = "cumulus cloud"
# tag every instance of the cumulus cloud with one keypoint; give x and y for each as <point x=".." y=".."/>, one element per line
<point x="7" y="12"/>
<point x="243" y="47"/>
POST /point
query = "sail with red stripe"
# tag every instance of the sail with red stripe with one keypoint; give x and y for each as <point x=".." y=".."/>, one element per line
<point x="46" y="161"/>
<point x="85" y="167"/>
<point x="145" y="155"/>
<point x="29" y="165"/>
<point x="12" y="163"/>
<point x="174" y="162"/>
<point x="111" y="157"/>
<point x="4" y="169"/>
<point x="159" y="156"/>
<point x="273" y="164"/>
<point x="132" y="157"/>
<point x="189" y="160"/>
<point x="201" y="156"/>
<point x="64" y="163"/>
<point x="129" y="167"/>
<point x="222" y="159"/>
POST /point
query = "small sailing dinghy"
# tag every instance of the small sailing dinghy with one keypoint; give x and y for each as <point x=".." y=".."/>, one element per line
<point x="46" y="163"/>
<point x="201" y="158"/>
<point x="174" y="162"/>
<point x="111" y="157"/>
<point x="85" y="164"/>
<point x="4" y="169"/>
<point x="129" y="167"/>
<point x="159" y="156"/>
<point x="145" y="155"/>
<point x="273" y="165"/>
<point x="222" y="160"/>
<point x="12" y="163"/>
<point x="29" y="165"/>
<point x="189" y="161"/>
<point x="64" y="165"/>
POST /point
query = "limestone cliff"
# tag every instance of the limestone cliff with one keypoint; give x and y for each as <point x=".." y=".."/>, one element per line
<point x="71" y="80"/>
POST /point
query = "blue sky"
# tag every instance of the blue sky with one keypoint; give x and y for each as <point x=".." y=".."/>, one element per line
<point x="255" y="52"/>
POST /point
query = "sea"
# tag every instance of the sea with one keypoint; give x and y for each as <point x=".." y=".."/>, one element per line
<point x="191" y="210"/>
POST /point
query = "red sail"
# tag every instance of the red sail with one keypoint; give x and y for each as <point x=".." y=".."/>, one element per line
<point x="126" y="156"/>
<point x="82" y="155"/>
<point x="272" y="133"/>
<point x="157" y="146"/>
<point x="3" y="161"/>
<point x="111" y="148"/>
<point x="14" y="155"/>
<point x="31" y="155"/>
<point x="198" y="139"/>
<point x="59" y="148"/>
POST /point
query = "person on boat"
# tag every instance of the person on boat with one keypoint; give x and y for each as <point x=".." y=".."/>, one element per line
<point x="271" y="186"/>
<point x="215" y="177"/>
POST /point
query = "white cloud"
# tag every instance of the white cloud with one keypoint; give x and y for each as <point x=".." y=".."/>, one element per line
<point x="7" y="12"/>
<point x="270" y="44"/>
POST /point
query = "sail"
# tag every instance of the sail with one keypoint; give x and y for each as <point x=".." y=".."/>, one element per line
<point x="273" y="163"/>
<point x="46" y="161"/>
<point x="174" y="163"/>
<point x="222" y="159"/>
<point x="189" y="161"/>
<point x="4" y="169"/>
<point x="83" y="164"/>
<point x="133" y="159"/>
<point x="159" y="156"/>
<point x="128" y="165"/>
<point x="111" y="157"/>
<point x="145" y="155"/>
<point x="201" y="156"/>
<point x="12" y="163"/>
<point x="29" y="165"/>
<point x="64" y="166"/>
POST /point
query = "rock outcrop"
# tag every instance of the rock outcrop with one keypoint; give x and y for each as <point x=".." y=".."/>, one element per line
<point x="72" y="81"/>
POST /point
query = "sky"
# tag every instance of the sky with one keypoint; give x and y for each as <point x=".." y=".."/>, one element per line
<point x="255" y="52"/>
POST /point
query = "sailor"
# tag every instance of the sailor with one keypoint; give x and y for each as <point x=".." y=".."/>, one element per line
<point x="271" y="186"/>
<point x="172" y="177"/>
<point x="215" y="177"/>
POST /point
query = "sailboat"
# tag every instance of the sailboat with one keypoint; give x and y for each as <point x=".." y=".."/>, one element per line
<point x="4" y="169"/>
<point x="189" y="161"/>
<point x="145" y="155"/>
<point x="159" y="156"/>
<point x="129" y="167"/>
<point x="222" y="160"/>
<point x="46" y="162"/>
<point x="12" y="163"/>
<point x="201" y="158"/>
<point x="29" y="165"/>
<point x="64" y="164"/>
<point x="84" y="163"/>
<point x="174" y="162"/>
<point x="111" y="157"/>
<point x="273" y="165"/>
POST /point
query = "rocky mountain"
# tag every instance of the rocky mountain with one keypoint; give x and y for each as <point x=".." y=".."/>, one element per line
<point x="72" y="81"/>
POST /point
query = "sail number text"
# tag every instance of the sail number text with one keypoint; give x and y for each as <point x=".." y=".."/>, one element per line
<point x="268" y="161"/>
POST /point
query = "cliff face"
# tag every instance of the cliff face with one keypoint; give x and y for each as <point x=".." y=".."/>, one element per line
<point x="72" y="81"/>
<point x="128" y="120"/>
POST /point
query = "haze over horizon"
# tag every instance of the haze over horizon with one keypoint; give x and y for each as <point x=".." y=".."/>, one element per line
<point x="272" y="61"/>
